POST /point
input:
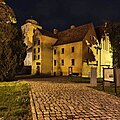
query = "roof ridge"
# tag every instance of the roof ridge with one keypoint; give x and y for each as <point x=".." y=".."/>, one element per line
<point x="76" y="27"/>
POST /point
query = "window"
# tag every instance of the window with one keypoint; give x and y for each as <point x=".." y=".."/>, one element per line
<point x="62" y="50"/>
<point x="55" y="52"/>
<point x="34" y="50"/>
<point x="73" y="49"/>
<point x="38" y="63"/>
<point x="62" y="62"/>
<point x="38" y="42"/>
<point x="38" y="57"/>
<point x="38" y="50"/>
<point x="73" y="61"/>
<point x="34" y="57"/>
<point x="54" y="62"/>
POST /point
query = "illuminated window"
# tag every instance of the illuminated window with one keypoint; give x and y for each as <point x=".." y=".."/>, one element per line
<point x="54" y="52"/>
<point x="38" y="50"/>
<point x="38" y="57"/>
<point x="62" y="50"/>
<point x="34" y="50"/>
<point x="62" y="62"/>
<point x="73" y="61"/>
<point x="54" y="62"/>
<point x="38" y="42"/>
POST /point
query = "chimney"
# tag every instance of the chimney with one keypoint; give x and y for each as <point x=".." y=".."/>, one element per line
<point x="72" y="26"/>
<point x="55" y="31"/>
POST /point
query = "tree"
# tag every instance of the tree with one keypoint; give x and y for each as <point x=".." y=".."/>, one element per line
<point x="113" y="29"/>
<point x="12" y="47"/>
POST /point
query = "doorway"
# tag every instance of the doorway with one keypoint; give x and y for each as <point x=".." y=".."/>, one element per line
<point x="69" y="71"/>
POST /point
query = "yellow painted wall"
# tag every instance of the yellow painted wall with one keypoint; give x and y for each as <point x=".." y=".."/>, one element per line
<point x="104" y="57"/>
<point x="46" y="55"/>
<point x="86" y="69"/>
<point x="67" y="56"/>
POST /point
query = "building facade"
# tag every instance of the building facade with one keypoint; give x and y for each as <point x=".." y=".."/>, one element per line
<point x="71" y="52"/>
<point x="28" y="31"/>
<point x="79" y="49"/>
<point x="42" y="57"/>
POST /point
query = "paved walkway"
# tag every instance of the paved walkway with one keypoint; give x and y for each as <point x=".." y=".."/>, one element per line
<point x="71" y="101"/>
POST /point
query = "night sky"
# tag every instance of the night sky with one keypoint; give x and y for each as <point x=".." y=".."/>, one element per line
<point x="61" y="14"/>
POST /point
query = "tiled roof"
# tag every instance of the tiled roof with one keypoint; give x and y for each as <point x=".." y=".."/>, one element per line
<point x="47" y="33"/>
<point x="75" y="34"/>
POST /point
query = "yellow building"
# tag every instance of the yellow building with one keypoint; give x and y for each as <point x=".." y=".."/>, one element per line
<point x="43" y="52"/>
<point x="71" y="52"/>
<point x="28" y="31"/>
<point x="78" y="50"/>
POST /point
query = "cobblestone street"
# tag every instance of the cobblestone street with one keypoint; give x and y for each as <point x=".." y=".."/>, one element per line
<point x="71" y="101"/>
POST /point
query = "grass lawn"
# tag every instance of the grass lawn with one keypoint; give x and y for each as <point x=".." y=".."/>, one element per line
<point x="109" y="89"/>
<point x="14" y="101"/>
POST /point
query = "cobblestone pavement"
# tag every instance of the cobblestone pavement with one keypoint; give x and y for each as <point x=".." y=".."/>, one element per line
<point x="71" y="101"/>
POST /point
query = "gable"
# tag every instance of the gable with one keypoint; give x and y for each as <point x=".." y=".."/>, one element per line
<point x="75" y="34"/>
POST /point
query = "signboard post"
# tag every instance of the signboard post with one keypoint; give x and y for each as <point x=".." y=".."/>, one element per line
<point x="118" y="76"/>
<point x="109" y="76"/>
<point x="93" y="78"/>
